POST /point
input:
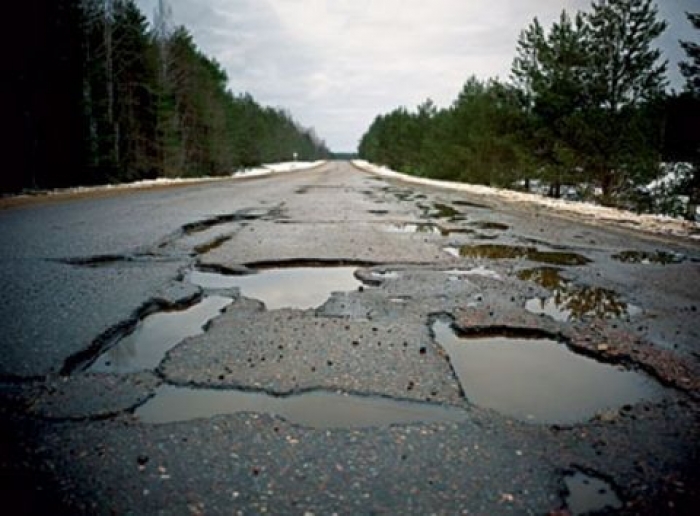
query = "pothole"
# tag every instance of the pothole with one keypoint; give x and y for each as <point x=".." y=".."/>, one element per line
<point x="292" y="287"/>
<point x="488" y="225"/>
<point x="570" y="302"/>
<point x="202" y="225"/>
<point x="538" y="380"/>
<point x="470" y="204"/>
<point x="213" y="244"/>
<point x="407" y="227"/>
<point x="647" y="258"/>
<point x="476" y="271"/>
<point x="441" y="211"/>
<point x="504" y="252"/>
<point x="312" y="409"/>
<point x="155" y="335"/>
<point x="587" y="494"/>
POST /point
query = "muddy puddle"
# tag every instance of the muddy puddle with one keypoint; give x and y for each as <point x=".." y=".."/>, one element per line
<point x="313" y="409"/>
<point x="572" y="302"/>
<point x="648" y="258"/>
<point x="538" y="380"/>
<point x="505" y="252"/>
<point x="587" y="494"/>
<point x="293" y="287"/>
<point x="155" y="335"/>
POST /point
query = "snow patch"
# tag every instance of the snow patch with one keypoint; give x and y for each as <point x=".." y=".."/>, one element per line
<point x="660" y="224"/>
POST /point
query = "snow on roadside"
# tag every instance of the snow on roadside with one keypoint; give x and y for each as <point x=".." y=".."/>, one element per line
<point x="264" y="170"/>
<point x="660" y="224"/>
<point x="276" y="168"/>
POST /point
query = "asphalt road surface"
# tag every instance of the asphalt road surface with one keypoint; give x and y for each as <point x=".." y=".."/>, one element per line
<point x="328" y="341"/>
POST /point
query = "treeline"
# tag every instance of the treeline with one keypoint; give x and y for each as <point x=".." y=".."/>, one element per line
<point x="586" y="105"/>
<point x="99" y="96"/>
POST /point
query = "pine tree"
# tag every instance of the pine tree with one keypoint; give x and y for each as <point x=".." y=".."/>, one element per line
<point x="691" y="71"/>
<point x="626" y="74"/>
<point x="691" y="68"/>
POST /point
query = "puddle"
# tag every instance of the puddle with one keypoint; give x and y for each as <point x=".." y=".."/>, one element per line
<point x="503" y="252"/>
<point x="155" y="335"/>
<point x="569" y="301"/>
<point x="647" y="258"/>
<point x="214" y="244"/>
<point x="471" y="204"/>
<point x="476" y="271"/>
<point x="495" y="226"/>
<point x="408" y="227"/>
<point x="293" y="287"/>
<point x="587" y="494"/>
<point x="441" y="211"/>
<point x="313" y="409"/>
<point x="538" y="380"/>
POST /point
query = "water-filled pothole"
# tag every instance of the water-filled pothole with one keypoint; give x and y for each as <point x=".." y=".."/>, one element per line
<point x="155" y="335"/>
<point x="587" y="494"/>
<point x="426" y="228"/>
<point x="504" y="252"/>
<point x="488" y="225"/>
<point x="538" y="380"/>
<point x="646" y="258"/>
<point x="569" y="301"/>
<point x="408" y="227"/>
<point x="293" y="287"/>
<point x="312" y="409"/>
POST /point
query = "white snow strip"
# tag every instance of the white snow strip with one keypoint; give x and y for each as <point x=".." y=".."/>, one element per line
<point x="276" y="168"/>
<point x="660" y="224"/>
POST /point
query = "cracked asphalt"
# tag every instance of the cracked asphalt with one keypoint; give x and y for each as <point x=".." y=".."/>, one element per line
<point x="80" y="274"/>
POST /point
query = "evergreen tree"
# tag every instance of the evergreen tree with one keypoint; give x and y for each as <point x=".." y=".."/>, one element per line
<point x="688" y="116"/>
<point x="625" y="77"/>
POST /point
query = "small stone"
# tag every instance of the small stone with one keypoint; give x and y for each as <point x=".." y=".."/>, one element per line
<point x="603" y="347"/>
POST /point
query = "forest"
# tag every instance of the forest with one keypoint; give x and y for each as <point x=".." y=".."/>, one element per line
<point x="586" y="108"/>
<point x="102" y="96"/>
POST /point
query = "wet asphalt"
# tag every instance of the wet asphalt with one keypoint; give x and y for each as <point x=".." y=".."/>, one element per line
<point x="82" y="274"/>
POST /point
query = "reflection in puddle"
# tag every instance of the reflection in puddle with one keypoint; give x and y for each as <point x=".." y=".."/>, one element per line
<point x="294" y="287"/>
<point x="314" y="409"/>
<point x="476" y="271"/>
<point x="538" y="380"/>
<point x="156" y="335"/>
<point x="569" y="302"/>
<point x="441" y="211"/>
<point x="426" y="228"/>
<point x="502" y="252"/>
<point x="430" y="229"/>
<point x="646" y="258"/>
<point x="588" y="494"/>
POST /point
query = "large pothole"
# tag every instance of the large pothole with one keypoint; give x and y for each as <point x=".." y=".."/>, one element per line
<point x="289" y="287"/>
<point x="312" y="409"/>
<point x="155" y="335"/>
<point x="539" y="379"/>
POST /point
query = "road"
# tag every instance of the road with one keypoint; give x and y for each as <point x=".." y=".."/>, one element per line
<point x="318" y="342"/>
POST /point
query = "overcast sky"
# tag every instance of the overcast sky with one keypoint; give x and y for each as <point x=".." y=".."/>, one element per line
<point x="336" y="64"/>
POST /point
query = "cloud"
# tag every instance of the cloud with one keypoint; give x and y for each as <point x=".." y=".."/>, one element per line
<point x="336" y="64"/>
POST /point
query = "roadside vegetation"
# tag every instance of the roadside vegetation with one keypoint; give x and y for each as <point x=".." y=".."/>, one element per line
<point x="585" y="115"/>
<point x="100" y="96"/>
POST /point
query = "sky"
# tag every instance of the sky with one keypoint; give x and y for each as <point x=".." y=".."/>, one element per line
<point x="337" y="64"/>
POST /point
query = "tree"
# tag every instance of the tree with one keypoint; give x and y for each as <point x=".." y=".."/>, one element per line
<point x="625" y="74"/>
<point x="691" y="117"/>
<point x="550" y="69"/>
